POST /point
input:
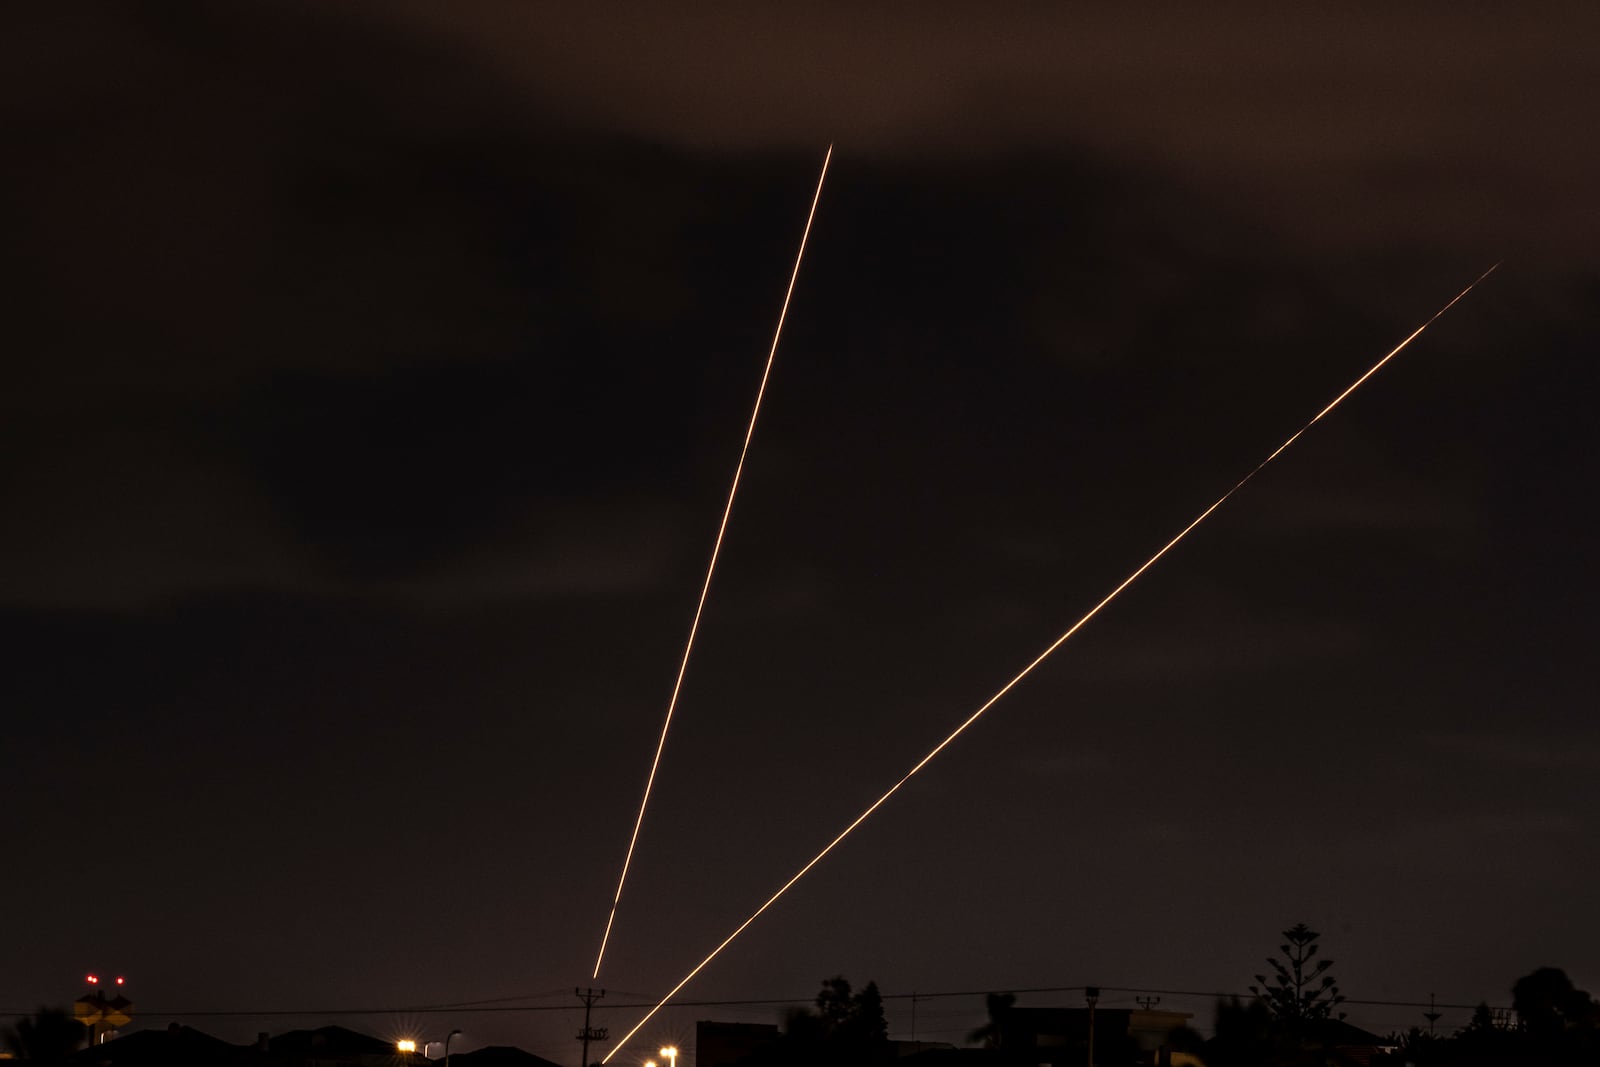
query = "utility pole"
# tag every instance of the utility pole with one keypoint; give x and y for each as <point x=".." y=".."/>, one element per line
<point x="589" y="1033"/>
<point x="1092" y="995"/>
<point x="1432" y="1014"/>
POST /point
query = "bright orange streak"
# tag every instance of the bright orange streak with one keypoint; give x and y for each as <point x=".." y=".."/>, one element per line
<point x="716" y="550"/>
<point x="1040" y="658"/>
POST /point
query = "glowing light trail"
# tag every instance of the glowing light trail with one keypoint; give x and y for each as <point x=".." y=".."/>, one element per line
<point x="716" y="550"/>
<point x="1040" y="658"/>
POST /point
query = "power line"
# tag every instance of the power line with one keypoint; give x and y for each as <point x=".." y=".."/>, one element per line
<point x="501" y="1000"/>
<point x="495" y="1007"/>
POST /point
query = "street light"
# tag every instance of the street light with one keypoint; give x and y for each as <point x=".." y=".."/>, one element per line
<point x="406" y="1045"/>
<point x="671" y="1053"/>
<point x="447" y="1038"/>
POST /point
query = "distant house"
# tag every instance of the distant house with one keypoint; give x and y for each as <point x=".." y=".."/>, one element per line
<point x="1354" y="1044"/>
<point x="902" y="1049"/>
<point x="326" y="1046"/>
<point x="331" y="1046"/>
<point x="726" y="1044"/>
<point x="931" y="1055"/>
<point x="499" y="1056"/>
<point x="1345" y="1043"/>
<point x="176" y="1046"/>
<point x="184" y="1046"/>
<point x="1059" y="1037"/>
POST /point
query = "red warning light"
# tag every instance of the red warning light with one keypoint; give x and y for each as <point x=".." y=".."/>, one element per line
<point x="120" y="979"/>
<point x="93" y="979"/>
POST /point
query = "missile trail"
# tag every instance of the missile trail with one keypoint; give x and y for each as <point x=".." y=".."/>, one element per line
<point x="1040" y="658"/>
<point x="711" y="569"/>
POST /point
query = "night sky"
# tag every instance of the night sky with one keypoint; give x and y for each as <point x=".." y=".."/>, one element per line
<point x="375" y="373"/>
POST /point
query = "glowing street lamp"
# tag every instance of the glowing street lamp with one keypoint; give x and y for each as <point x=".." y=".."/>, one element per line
<point x="406" y="1045"/>
<point x="671" y="1053"/>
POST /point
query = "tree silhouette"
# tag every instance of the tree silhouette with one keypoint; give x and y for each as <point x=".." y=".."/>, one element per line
<point x="1301" y="991"/>
<point x="1416" y="1048"/>
<point x="1483" y="1041"/>
<point x="47" y="1036"/>
<point x="1557" y="1026"/>
<point x="1548" y="1005"/>
<point x="992" y="1033"/>
<point x="846" y="1029"/>
<point x="1560" y="1023"/>
<point x="1482" y="1021"/>
<point x="1242" y="1035"/>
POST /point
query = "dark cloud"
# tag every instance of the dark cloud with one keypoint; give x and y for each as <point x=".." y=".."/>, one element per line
<point x="1460" y="126"/>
